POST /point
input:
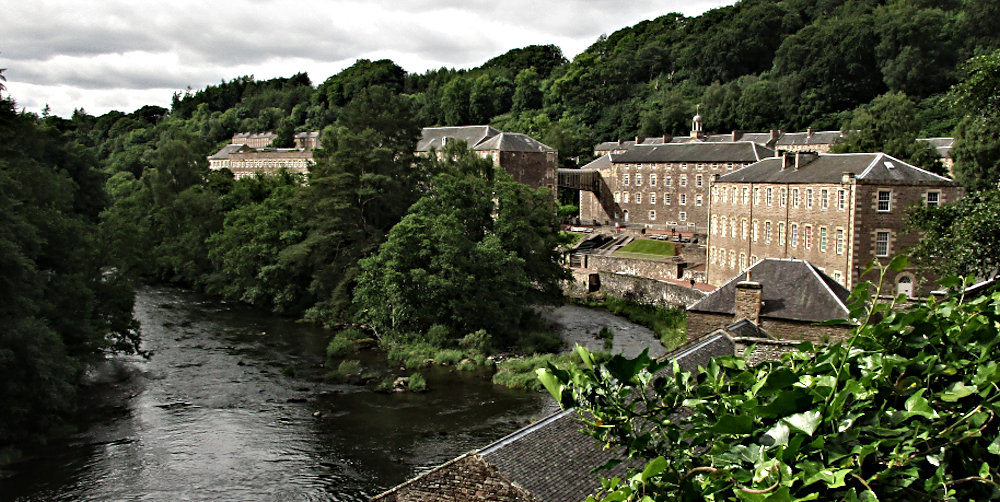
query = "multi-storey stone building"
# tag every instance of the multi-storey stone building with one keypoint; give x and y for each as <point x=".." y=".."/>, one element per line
<point x="664" y="186"/>
<point x="838" y="211"/>
<point x="528" y="160"/>
<point x="250" y="153"/>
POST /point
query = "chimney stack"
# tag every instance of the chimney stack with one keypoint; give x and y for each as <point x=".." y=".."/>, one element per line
<point x="735" y="135"/>
<point x="787" y="161"/>
<point x="747" y="304"/>
<point x="809" y="132"/>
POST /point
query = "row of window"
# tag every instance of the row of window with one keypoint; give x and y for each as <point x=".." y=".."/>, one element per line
<point x="699" y="180"/>
<point x="808" y="197"/>
<point x="682" y="216"/>
<point x="776" y="233"/>
<point x="637" y="198"/>
<point x="722" y="258"/>
<point x="729" y="166"/>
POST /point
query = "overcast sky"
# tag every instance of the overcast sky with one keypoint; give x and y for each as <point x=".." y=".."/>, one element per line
<point x="106" y="55"/>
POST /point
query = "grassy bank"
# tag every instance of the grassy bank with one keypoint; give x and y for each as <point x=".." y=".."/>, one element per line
<point x="670" y="325"/>
<point x="649" y="249"/>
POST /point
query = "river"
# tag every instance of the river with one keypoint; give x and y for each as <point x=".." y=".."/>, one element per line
<point x="217" y="413"/>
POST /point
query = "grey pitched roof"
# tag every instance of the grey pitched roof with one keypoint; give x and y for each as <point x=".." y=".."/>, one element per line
<point x="942" y="145"/>
<point x="830" y="168"/>
<point x="614" y="145"/>
<point x="602" y="162"/>
<point x="741" y="151"/>
<point x="226" y="150"/>
<point x="554" y="461"/>
<point x="806" y="138"/>
<point x="513" y="142"/>
<point x="790" y="289"/>
<point x="435" y="137"/>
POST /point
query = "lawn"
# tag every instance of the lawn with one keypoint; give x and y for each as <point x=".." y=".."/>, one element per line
<point x="647" y="248"/>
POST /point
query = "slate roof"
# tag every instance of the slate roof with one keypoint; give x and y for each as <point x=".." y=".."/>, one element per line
<point x="741" y="151"/>
<point x="805" y="138"/>
<point x="791" y="289"/>
<point x="942" y="145"/>
<point x="513" y="142"/>
<point x="830" y="167"/>
<point x="226" y="151"/>
<point x="614" y="145"/>
<point x="602" y="162"/>
<point x="435" y="137"/>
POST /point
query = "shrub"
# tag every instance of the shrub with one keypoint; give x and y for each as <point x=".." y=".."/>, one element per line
<point x="448" y="356"/>
<point x="417" y="383"/>
<point x="347" y="369"/>
<point x="339" y="346"/>
<point x="477" y="341"/>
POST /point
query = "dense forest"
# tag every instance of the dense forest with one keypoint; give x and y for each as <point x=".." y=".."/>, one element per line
<point x="128" y="196"/>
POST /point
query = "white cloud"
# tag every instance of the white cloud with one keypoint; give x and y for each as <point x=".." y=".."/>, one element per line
<point x="122" y="54"/>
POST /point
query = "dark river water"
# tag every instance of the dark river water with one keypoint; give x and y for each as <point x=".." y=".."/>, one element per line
<point x="218" y="414"/>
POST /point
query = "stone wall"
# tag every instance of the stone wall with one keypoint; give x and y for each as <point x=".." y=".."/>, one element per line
<point x="765" y="349"/>
<point x="650" y="291"/>
<point x="466" y="478"/>
<point x="632" y="266"/>
<point x="701" y="323"/>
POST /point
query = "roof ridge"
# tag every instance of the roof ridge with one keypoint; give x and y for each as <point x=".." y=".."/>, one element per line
<point x="826" y="286"/>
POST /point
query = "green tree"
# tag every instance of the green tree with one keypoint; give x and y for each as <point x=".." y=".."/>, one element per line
<point x="889" y="124"/>
<point x="960" y="238"/>
<point x="977" y="149"/>
<point x="475" y="252"/>
<point x="904" y="409"/>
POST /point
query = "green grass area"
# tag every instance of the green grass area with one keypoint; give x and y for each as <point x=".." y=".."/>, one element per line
<point x="648" y="248"/>
<point x="668" y="324"/>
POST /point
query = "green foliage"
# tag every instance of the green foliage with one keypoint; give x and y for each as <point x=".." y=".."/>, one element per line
<point x="63" y="302"/>
<point x="416" y="383"/>
<point x="977" y="149"/>
<point x="520" y="372"/>
<point x="478" y="247"/>
<point x="904" y="409"/>
<point x="343" y="343"/>
<point x="889" y="124"/>
<point x="346" y="370"/>
<point x="448" y="356"/>
<point x="961" y="238"/>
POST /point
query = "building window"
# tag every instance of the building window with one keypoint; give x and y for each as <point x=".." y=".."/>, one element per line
<point x="783" y="200"/>
<point x="809" y="236"/>
<point x="652" y="214"/>
<point x="841" y="199"/>
<point x="933" y="199"/>
<point x="824" y="199"/>
<point x="795" y="235"/>
<point x="767" y="232"/>
<point x="729" y="166"/>
<point x="684" y="180"/>
<point x="698" y="180"/>
<point x="822" y="239"/>
<point x="638" y="197"/>
<point x="625" y="197"/>
<point x="666" y="182"/>
<point x="781" y="233"/>
<point x="732" y="258"/>
<point x="732" y="227"/>
<point x="840" y="241"/>
<point x="756" y="196"/>
<point x="755" y="230"/>
<point x="743" y="229"/>
<point x="743" y="261"/>
<point x="618" y="197"/>
<point x="697" y="200"/>
<point x="770" y="196"/>
<point x="722" y="226"/>
<point x="700" y="167"/>
<point x="682" y="216"/>
<point x="714" y="222"/>
<point x="724" y="192"/>
<point x="625" y="179"/>
<point x="795" y="197"/>
<point x="809" y="198"/>
<point x="837" y="276"/>
<point x="652" y="180"/>
<point x="746" y="196"/>
<point x="666" y="199"/>
<point x="638" y="179"/>
<point x="715" y="195"/>
<point x="684" y="166"/>
<point x="652" y="197"/>
<point x="884" y="199"/>
<point x="882" y="244"/>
